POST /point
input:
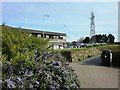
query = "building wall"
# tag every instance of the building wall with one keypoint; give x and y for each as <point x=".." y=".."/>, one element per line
<point x="55" y="42"/>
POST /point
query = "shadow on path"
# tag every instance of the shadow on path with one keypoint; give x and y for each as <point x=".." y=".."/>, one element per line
<point x="92" y="74"/>
<point x="95" y="61"/>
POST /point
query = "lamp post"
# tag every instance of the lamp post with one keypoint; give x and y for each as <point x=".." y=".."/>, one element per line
<point x="65" y="28"/>
<point x="44" y="22"/>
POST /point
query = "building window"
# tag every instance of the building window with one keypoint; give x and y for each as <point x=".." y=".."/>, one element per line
<point x="50" y="36"/>
<point x="39" y="35"/>
<point x="56" y="37"/>
<point x="61" y="37"/>
<point x="47" y="36"/>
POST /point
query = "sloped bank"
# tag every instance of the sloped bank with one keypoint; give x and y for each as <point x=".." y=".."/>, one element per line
<point x="78" y="54"/>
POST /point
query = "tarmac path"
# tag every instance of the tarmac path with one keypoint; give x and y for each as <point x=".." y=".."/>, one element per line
<point x="92" y="75"/>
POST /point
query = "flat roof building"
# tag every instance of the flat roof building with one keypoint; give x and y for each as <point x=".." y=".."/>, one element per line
<point x="56" y="40"/>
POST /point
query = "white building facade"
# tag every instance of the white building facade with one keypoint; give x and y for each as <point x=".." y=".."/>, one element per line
<point x="56" y="40"/>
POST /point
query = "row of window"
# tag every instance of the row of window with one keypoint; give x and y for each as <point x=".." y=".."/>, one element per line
<point x="49" y="36"/>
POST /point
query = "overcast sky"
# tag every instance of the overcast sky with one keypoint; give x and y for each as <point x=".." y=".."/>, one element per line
<point x="64" y="17"/>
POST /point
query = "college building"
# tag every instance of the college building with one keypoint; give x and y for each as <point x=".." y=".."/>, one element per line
<point x="56" y="40"/>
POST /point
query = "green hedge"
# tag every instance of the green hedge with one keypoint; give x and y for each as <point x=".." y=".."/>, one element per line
<point x="110" y="47"/>
<point x="116" y="60"/>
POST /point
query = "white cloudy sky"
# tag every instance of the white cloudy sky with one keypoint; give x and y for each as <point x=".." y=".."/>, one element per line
<point x="72" y="18"/>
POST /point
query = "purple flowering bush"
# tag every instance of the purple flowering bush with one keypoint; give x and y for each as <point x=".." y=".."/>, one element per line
<point x="44" y="74"/>
<point x="28" y="64"/>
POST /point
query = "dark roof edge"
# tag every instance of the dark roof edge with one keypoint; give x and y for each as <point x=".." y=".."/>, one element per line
<point x="36" y="31"/>
<point x="45" y="32"/>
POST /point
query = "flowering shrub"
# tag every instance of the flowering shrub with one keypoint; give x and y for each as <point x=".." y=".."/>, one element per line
<point x="26" y="63"/>
<point x="46" y="73"/>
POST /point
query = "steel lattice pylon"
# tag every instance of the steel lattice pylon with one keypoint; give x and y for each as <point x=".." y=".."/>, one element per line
<point x="92" y="25"/>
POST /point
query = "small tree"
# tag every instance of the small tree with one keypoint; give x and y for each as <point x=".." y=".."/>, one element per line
<point x="111" y="38"/>
<point x="86" y="40"/>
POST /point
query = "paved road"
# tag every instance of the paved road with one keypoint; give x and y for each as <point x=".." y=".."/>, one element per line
<point x="92" y="75"/>
<point x="96" y="61"/>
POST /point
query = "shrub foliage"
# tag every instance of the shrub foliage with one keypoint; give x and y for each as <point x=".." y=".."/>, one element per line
<point x="26" y="63"/>
<point x="116" y="55"/>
